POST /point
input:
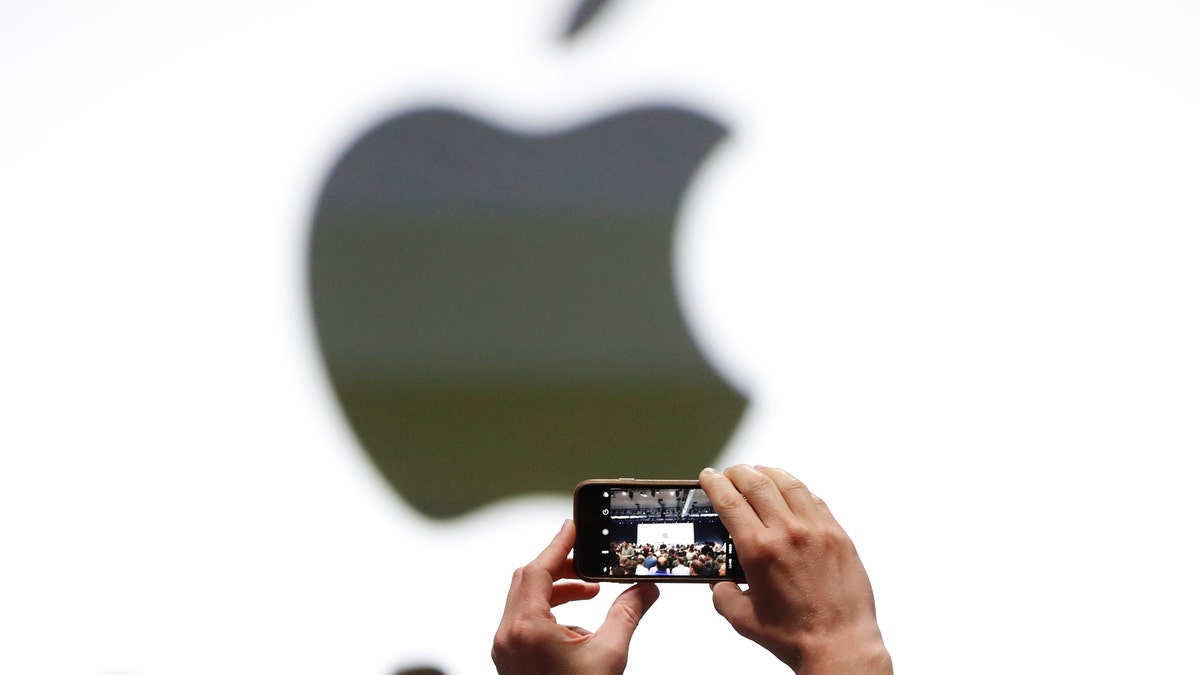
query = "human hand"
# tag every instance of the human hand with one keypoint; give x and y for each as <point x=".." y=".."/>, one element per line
<point x="530" y="639"/>
<point x="809" y="601"/>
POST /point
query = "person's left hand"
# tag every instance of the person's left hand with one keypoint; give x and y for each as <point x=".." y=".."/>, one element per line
<point x="530" y="639"/>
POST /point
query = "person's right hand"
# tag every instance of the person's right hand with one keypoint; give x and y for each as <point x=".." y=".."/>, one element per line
<point x="809" y="601"/>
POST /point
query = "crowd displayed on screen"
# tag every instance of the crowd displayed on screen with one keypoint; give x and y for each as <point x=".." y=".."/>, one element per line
<point x="701" y="559"/>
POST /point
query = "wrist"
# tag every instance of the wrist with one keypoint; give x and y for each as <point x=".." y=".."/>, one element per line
<point x="859" y="653"/>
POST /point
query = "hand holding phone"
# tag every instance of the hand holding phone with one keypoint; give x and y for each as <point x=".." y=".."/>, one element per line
<point x="808" y="601"/>
<point x="531" y="641"/>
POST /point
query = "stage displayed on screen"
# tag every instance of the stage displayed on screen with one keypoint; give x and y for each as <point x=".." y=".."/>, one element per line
<point x="663" y="532"/>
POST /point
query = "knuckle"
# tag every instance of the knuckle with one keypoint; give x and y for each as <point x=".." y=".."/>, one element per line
<point x="757" y="481"/>
<point x="501" y="645"/>
<point x="519" y="634"/>
<point x="830" y="538"/>
<point x="793" y="484"/>
<point x="838" y="537"/>
<point x="759" y="545"/>
<point x="798" y="535"/>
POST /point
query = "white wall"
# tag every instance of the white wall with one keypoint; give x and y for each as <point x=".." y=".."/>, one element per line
<point x="950" y="250"/>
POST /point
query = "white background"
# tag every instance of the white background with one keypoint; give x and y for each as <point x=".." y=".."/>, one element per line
<point x="949" y="251"/>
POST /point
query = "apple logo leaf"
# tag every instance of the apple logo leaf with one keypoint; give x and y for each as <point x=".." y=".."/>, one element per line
<point x="584" y="12"/>
<point x="497" y="310"/>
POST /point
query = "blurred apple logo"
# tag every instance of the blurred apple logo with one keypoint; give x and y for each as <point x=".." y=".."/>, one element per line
<point x="497" y="310"/>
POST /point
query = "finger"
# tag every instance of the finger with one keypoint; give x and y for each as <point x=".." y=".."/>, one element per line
<point x="532" y="586"/>
<point x="625" y="614"/>
<point x="793" y="488"/>
<point x="739" y="518"/>
<point x="795" y="493"/>
<point x="762" y="494"/>
<point x="732" y="603"/>
<point x="563" y="569"/>
<point x="552" y="558"/>
<point x="823" y="508"/>
<point x="568" y="591"/>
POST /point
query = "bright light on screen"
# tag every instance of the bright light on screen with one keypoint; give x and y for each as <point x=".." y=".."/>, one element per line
<point x="666" y="533"/>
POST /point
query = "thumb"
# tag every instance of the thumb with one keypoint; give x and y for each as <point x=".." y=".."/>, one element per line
<point x="733" y="603"/>
<point x="625" y="614"/>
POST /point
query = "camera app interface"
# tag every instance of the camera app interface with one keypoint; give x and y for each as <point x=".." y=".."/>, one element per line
<point x="666" y="532"/>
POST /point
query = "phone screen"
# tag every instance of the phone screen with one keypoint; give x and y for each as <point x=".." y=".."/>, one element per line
<point x="650" y="531"/>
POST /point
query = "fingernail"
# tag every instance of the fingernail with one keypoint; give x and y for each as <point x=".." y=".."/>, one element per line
<point x="707" y="469"/>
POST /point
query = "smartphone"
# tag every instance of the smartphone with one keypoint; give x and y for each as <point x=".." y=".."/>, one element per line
<point x="631" y="530"/>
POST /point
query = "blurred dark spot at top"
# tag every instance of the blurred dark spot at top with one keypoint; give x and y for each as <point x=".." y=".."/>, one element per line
<point x="585" y="11"/>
